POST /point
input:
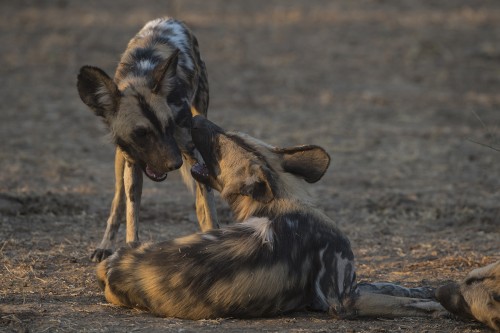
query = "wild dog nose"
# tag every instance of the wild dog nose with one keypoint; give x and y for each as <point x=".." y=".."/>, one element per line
<point x="174" y="164"/>
<point x="200" y="122"/>
<point x="452" y="299"/>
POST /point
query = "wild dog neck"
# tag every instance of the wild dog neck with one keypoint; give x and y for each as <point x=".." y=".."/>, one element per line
<point x="245" y="207"/>
<point x="288" y="196"/>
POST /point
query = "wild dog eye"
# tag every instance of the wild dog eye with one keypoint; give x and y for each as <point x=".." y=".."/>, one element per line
<point x="472" y="280"/>
<point x="496" y="297"/>
<point x="140" y="132"/>
<point x="183" y="116"/>
<point x="169" y="128"/>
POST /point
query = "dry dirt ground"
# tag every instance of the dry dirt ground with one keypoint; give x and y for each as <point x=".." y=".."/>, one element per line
<point x="396" y="91"/>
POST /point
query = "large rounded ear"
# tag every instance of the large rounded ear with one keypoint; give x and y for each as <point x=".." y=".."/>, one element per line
<point x="258" y="186"/>
<point x="98" y="91"/>
<point x="163" y="72"/>
<point x="309" y="162"/>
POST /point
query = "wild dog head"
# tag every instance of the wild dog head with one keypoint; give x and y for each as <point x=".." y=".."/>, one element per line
<point x="141" y="122"/>
<point x="249" y="172"/>
<point x="476" y="297"/>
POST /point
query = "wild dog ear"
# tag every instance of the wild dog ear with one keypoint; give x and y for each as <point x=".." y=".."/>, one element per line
<point x="258" y="186"/>
<point x="98" y="91"/>
<point x="163" y="71"/>
<point x="309" y="162"/>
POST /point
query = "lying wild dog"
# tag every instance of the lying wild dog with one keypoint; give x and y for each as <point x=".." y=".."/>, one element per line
<point x="285" y="254"/>
<point x="160" y="83"/>
<point x="476" y="297"/>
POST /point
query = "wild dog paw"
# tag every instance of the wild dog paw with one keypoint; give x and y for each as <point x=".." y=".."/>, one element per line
<point x="133" y="245"/>
<point x="444" y="314"/>
<point x="100" y="254"/>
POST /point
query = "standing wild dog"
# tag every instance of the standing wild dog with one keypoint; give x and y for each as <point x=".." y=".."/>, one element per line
<point x="285" y="254"/>
<point x="160" y="83"/>
<point x="476" y="297"/>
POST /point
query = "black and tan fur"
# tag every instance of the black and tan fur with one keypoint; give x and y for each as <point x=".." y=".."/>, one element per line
<point x="160" y="83"/>
<point x="476" y="297"/>
<point x="285" y="254"/>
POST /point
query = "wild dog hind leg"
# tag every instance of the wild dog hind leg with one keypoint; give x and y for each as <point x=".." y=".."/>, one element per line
<point x="105" y="248"/>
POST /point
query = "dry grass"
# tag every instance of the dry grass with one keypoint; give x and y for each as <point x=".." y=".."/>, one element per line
<point x="396" y="91"/>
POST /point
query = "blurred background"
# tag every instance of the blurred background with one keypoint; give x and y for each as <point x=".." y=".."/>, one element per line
<point x="401" y="93"/>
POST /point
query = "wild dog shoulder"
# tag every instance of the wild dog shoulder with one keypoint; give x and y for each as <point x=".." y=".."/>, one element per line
<point x="476" y="297"/>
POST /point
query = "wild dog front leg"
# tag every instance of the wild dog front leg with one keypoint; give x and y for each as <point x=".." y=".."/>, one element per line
<point x="116" y="214"/>
<point x="205" y="203"/>
<point x="133" y="191"/>
<point x="392" y="289"/>
<point x="365" y="304"/>
<point x="205" y="207"/>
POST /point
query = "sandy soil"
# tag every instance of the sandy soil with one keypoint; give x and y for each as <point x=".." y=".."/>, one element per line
<point x="396" y="91"/>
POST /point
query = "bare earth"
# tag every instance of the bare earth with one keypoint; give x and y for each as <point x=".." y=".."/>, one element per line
<point x="396" y="91"/>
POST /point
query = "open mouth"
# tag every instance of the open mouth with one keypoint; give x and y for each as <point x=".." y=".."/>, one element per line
<point x="200" y="172"/>
<point x="153" y="175"/>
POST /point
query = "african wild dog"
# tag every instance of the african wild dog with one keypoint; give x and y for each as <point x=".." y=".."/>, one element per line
<point x="285" y="255"/>
<point x="160" y="83"/>
<point x="476" y="297"/>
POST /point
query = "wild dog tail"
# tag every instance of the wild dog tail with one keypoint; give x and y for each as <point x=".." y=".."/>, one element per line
<point x="102" y="271"/>
<point x="101" y="274"/>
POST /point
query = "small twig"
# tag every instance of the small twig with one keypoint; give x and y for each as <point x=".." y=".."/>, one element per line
<point x="48" y="328"/>
<point x="12" y="317"/>
<point x="488" y="131"/>
<point x="484" y="145"/>
<point x="36" y="277"/>
<point x="17" y="277"/>
<point x="3" y="245"/>
<point x="481" y="121"/>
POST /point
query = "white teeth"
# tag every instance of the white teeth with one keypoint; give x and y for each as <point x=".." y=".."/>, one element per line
<point x="201" y="169"/>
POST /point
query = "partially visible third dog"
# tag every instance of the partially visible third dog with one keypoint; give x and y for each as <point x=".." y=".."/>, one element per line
<point x="160" y="83"/>
<point x="476" y="297"/>
<point x="285" y="255"/>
